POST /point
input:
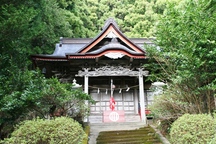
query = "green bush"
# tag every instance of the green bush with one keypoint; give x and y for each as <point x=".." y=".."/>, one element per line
<point x="213" y="141"/>
<point x="61" y="130"/>
<point x="193" y="129"/>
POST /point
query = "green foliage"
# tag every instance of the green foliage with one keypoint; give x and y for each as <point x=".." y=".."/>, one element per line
<point x="214" y="138"/>
<point x="135" y="18"/>
<point x="35" y="26"/>
<point x="167" y="107"/>
<point x="31" y="27"/>
<point x="183" y="57"/>
<point x="31" y="95"/>
<point x="193" y="129"/>
<point x="185" y="53"/>
<point x="174" y="103"/>
<point x="39" y="131"/>
<point x="20" y="93"/>
<point x="60" y="96"/>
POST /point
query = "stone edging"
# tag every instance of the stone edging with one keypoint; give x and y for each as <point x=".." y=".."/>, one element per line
<point x="161" y="137"/>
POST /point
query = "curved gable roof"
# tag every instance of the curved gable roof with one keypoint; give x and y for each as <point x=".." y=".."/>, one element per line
<point x="101" y="45"/>
<point x="111" y="27"/>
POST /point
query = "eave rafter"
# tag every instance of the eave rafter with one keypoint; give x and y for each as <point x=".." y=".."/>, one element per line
<point x="49" y="59"/>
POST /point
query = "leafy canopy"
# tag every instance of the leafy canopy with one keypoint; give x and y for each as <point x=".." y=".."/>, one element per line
<point x="185" y="55"/>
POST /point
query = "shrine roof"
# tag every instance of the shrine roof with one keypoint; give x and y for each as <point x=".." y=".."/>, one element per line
<point x="94" y="47"/>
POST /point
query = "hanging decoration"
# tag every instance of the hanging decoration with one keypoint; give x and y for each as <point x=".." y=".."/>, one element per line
<point x="128" y="88"/>
<point x="119" y="89"/>
<point x="112" y="87"/>
<point x="112" y="103"/>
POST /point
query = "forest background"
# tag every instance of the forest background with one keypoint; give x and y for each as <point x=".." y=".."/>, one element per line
<point x="34" y="26"/>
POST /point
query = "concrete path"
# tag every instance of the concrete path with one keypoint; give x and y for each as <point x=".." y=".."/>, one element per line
<point x="96" y="128"/>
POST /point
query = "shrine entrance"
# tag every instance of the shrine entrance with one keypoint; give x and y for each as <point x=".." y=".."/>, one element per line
<point x="127" y="88"/>
<point x="124" y="101"/>
<point x="125" y="95"/>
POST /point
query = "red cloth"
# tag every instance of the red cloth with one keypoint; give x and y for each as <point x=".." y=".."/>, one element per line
<point x="112" y="103"/>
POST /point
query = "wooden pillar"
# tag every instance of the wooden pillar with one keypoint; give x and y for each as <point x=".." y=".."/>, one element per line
<point x="86" y="84"/>
<point x="136" y="100"/>
<point x="142" y="98"/>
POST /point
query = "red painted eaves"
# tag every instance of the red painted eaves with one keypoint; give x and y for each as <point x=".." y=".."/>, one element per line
<point x="97" y="55"/>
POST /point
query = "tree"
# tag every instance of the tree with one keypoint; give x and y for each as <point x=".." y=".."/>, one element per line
<point x="28" y="27"/>
<point x="135" y="18"/>
<point x="185" y="56"/>
<point x="34" y="96"/>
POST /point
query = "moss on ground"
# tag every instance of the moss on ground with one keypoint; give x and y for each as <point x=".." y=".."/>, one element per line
<point x="87" y="131"/>
<point x="145" y="135"/>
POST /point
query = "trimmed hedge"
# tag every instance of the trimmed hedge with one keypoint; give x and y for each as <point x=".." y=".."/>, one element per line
<point x="193" y="129"/>
<point x="60" y="130"/>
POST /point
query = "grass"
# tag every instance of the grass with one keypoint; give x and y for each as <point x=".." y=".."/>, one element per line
<point x="144" y="135"/>
<point x="87" y="131"/>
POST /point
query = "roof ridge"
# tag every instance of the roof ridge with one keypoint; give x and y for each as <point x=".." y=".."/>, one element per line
<point x="110" y="21"/>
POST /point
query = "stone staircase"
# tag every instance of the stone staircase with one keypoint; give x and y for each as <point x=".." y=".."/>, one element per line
<point x="137" y="131"/>
<point x="144" y="135"/>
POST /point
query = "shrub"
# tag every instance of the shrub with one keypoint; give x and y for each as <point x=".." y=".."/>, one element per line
<point x="213" y="141"/>
<point x="61" y="130"/>
<point x="193" y="129"/>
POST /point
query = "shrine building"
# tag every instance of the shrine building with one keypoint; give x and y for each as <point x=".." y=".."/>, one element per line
<point x="109" y="65"/>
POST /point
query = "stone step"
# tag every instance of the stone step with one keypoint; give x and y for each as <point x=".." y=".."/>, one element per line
<point x="107" y="128"/>
<point x="99" y="118"/>
<point x="142" y="135"/>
